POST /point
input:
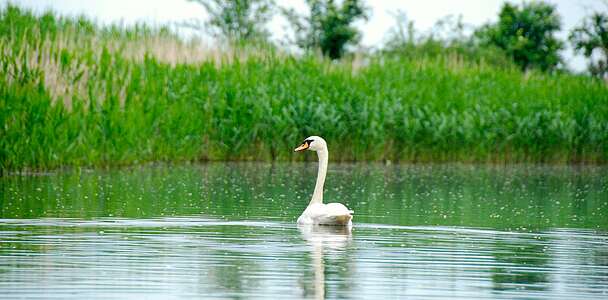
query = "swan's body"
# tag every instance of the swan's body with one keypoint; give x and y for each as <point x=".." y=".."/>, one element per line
<point x="317" y="212"/>
<point x="326" y="214"/>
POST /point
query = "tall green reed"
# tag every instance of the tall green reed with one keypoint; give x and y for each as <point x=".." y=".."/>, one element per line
<point x="74" y="94"/>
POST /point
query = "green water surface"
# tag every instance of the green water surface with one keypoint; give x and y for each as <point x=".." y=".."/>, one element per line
<point x="227" y="230"/>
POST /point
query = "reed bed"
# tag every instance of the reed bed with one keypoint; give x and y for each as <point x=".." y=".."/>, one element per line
<point x="76" y="94"/>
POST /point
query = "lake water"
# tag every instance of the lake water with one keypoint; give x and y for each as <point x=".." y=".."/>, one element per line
<point x="228" y="231"/>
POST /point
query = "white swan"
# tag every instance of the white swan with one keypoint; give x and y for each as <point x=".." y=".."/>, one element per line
<point x="317" y="212"/>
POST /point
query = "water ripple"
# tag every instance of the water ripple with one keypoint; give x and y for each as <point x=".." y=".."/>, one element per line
<point x="190" y="257"/>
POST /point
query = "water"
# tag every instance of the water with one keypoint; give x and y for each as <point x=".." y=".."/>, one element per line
<point x="228" y="231"/>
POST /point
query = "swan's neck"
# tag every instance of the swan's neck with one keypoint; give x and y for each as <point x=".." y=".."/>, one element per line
<point x="317" y="196"/>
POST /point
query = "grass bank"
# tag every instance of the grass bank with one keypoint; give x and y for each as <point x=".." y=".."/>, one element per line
<point x="73" y="93"/>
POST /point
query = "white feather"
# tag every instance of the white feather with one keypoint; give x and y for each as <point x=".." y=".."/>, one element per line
<point x="317" y="212"/>
<point x="326" y="214"/>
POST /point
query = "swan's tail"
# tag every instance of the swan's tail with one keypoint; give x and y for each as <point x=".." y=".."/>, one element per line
<point x="336" y="214"/>
<point x="343" y="219"/>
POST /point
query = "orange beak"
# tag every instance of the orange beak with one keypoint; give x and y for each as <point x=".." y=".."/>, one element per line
<point x="301" y="147"/>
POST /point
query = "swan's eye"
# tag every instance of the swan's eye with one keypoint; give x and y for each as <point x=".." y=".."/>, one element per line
<point x="308" y="142"/>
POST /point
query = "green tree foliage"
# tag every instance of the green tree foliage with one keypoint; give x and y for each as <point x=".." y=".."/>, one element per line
<point x="238" y="20"/>
<point x="591" y="38"/>
<point x="526" y="34"/>
<point x="446" y="39"/>
<point x="329" y="26"/>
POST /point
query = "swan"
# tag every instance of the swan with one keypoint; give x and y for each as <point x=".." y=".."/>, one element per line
<point x="316" y="212"/>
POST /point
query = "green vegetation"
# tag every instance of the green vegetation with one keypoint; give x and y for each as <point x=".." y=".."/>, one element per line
<point x="526" y="34"/>
<point x="237" y="20"/>
<point x="447" y="38"/>
<point x="72" y="93"/>
<point x="329" y="27"/>
<point x="591" y="38"/>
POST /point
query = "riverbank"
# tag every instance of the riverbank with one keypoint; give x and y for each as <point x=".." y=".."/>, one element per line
<point x="76" y="94"/>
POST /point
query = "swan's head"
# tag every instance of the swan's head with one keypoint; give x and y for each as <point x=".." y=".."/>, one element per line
<point x="313" y="143"/>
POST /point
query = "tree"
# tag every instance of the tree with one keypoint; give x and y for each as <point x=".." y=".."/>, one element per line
<point x="238" y="20"/>
<point x="526" y="34"/>
<point x="446" y="39"/>
<point x="591" y="38"/>
<point x="329" y="26"/>
<point x="402" y="35"/>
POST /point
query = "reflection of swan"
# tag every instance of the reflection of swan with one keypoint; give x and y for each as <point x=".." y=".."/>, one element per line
<point x="317" y="212"/>
<point x="321" y="237"/>
<point x="331" y="237"/>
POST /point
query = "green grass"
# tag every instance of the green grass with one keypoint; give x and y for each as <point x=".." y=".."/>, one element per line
<point x="75" y="94"/>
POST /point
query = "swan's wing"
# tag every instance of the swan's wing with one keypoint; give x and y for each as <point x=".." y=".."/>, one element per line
<point x="337" y="209"/>
<point x="335" y="214"/>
